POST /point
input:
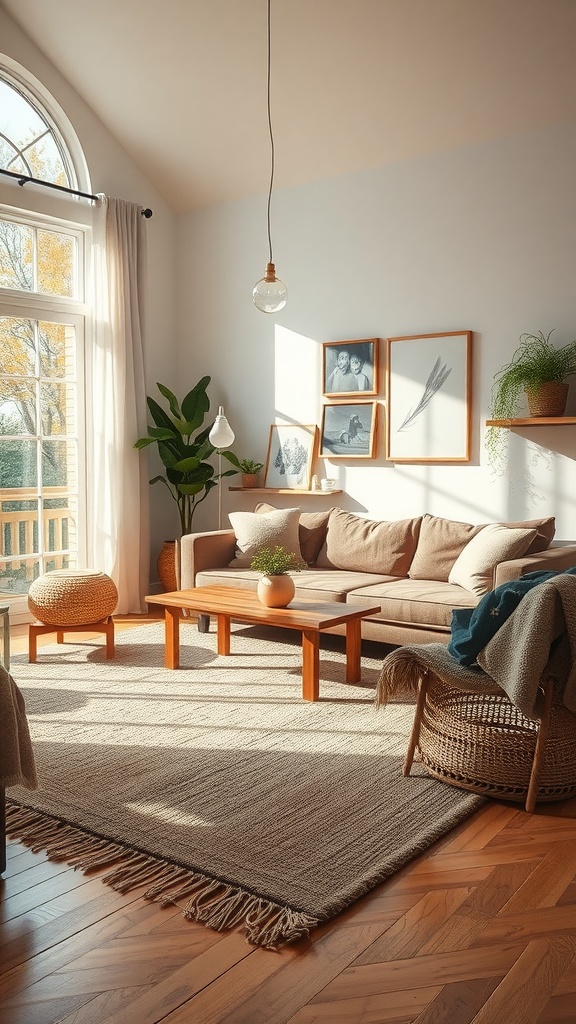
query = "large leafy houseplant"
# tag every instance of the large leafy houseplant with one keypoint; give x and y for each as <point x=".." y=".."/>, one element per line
<point x="184" y="448"/>
<point x="534" y="365"/>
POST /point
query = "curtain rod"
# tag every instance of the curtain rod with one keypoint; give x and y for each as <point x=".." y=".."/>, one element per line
<point x="23" y="179"/>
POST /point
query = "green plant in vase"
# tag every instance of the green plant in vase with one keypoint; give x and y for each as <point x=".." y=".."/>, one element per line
<point x="276" y="588"/>
<point x="249" y="470"/>
<point x="250" y="467"/>
<point x="539" y="371"/>
<point x="276" y="561"/>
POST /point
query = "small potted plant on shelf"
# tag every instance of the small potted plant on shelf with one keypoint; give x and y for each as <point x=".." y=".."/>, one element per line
<point x="541" y="372"/>
<point x="249" y="470"/>
<point x="276" y="588"/>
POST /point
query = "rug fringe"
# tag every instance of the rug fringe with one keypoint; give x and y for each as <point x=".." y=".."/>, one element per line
<point x="400" y="676"/>
<point x="210" y="901"/>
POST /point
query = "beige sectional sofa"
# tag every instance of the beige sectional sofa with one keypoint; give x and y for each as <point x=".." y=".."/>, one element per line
<point x="417" y="569"/>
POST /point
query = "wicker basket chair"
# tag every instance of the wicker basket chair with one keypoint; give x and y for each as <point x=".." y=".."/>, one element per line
<point x="504" y="726"/>
<point x="480" y="741"/>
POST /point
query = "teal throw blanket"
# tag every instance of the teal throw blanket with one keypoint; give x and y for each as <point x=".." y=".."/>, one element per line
<point x="472" y="628"/>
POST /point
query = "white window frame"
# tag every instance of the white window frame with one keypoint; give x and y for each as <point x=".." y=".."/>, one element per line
<point x="58" y="309"/>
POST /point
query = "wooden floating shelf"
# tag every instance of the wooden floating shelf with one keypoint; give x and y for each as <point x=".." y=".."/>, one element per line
<point x="534" y="421"/>
<point x="284" y="490"/>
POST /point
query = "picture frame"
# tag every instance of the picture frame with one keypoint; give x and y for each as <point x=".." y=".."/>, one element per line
<point x="291" y="453"/>
<point x="348" y="430"/>
<point x="428" y="397"/>
<point x="349" y="367"/>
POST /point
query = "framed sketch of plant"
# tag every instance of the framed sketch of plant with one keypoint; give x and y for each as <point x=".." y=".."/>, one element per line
<point x="291" y="452"/>
<point x="428" y="397"/>
<point x="348" y="430"/>
<point x="349" y="367"/>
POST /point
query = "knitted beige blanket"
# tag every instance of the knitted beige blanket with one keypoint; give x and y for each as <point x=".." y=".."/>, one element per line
<point x="536" y="641"/>
<point x="17" y="766"/>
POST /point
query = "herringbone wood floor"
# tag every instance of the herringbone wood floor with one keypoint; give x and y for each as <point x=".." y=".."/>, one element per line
<point x="481" y="928"/>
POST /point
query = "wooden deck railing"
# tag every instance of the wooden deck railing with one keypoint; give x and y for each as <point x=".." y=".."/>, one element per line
<point x="19" y="542"/>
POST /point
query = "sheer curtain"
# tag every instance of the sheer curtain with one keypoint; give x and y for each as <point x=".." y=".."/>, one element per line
<point x="117" y="513"/>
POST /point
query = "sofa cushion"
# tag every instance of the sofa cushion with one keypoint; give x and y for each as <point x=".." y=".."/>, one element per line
<point x="254" y="531"/>
<point x="474" y="568"/>
<point x="313" y="584"/>
<point x="415" y="602"/>
<point x="367" y="545"/>
<point x="311" y="530"/>
<point x="546" y="528"/>
<point x="439" y="543"/>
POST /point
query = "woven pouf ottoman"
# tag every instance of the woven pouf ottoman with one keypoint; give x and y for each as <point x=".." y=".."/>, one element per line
<point x="72" y="600"/>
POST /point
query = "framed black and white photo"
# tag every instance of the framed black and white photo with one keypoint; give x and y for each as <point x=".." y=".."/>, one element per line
<point x="291" y="452"/>
<point x="348" y="430"/>
<point x="428" y="397"/>
<point x="349" y="367"/>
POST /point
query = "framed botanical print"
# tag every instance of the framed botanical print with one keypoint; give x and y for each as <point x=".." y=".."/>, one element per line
<point x="349" y="367"/>
<point x="291" y="452"/>
<point x="348" y="430"/>
<point x="428" y="397"/>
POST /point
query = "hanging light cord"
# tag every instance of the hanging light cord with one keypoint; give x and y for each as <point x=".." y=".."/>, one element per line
<point x="271" y="144"/>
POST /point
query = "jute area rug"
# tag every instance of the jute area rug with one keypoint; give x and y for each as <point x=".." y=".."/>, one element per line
<point x="216" y="783"/>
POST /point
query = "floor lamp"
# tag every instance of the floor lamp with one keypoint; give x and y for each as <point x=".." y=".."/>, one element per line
<point x="221" y="436"/>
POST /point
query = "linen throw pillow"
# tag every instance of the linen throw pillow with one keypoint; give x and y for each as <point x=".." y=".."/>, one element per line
<point x="475" y="565"/>
<point x="439" y="544"/>
<point x="311" y="530"/>
<point x="368" y="545"/>
<point x="545" y="530"/>
<point x="264" y="530"/>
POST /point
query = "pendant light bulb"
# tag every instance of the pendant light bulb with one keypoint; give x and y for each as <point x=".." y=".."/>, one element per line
<point x="221" y="435"/>
<point x="270" y="293"/>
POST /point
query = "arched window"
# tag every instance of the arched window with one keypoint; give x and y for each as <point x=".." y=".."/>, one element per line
<point x="29" y="144"/>
<point x="42" y="316"/>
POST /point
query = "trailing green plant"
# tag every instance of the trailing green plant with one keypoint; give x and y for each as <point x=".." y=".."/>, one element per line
<point x="276" y="561"/>
<point x="534" y="363"/>
<point x="248" y="466"/>
<point x="185" y="448"/>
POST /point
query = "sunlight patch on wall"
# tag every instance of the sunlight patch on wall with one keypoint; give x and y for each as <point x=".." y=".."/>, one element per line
<point x="297" y="373"/>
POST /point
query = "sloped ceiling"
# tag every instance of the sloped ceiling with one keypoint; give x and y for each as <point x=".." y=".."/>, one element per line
<point x="355" y="83"/>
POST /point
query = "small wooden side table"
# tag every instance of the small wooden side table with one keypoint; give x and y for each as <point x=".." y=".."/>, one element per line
<point x="105" y="626"/>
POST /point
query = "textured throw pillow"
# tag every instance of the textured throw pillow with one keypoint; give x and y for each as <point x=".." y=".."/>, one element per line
<point x="546" y="528"/>
<point x="254" y="531"/>
<point x="368" y="545"/>
<point x="475" y="565"/>
<point x="439" y="544"/>
<point x="311" y="530"/>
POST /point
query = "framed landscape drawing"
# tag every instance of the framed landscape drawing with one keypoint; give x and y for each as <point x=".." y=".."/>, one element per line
<point x="428" y="398"/>
<point x="349" y="367"/>
<point x="291" y="451"/>
<point x="348" y="430"/>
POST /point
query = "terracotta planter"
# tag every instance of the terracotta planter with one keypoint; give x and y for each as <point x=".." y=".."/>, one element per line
<point x="547" y="400"/>
<point x="276" y="591"/>
<point x="249" y="479"/>
<point x="166" y="566"/>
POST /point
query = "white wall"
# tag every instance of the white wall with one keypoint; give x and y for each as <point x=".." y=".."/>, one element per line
<point x="114" y="173"/>
<point x="482" y="238"/>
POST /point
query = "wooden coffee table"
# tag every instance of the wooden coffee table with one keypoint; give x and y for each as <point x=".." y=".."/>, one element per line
<point x="310" y="617"/>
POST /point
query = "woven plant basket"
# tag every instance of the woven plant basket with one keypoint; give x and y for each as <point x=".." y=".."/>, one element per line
<point x="547" y="400"/>
<point x="483" y="743"/>
<point x="68" y="597"/>
<point x="166" y="566"/>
